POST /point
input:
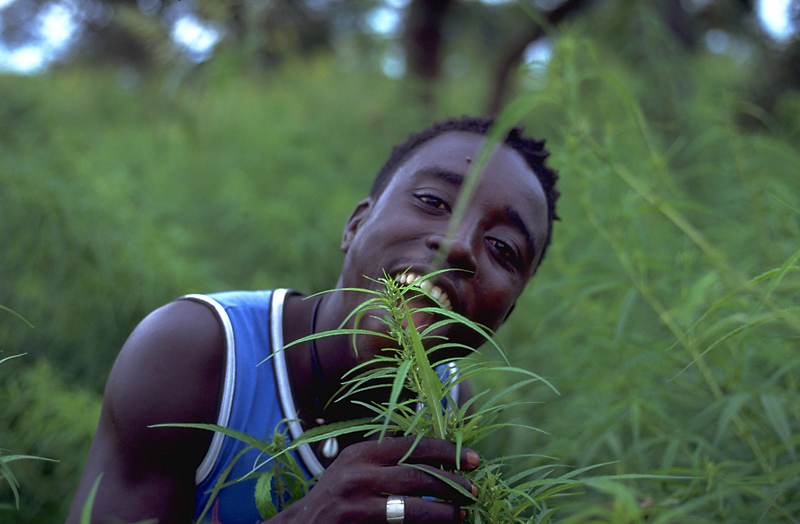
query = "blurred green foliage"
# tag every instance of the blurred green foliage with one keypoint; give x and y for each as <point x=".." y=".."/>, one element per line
<point x="665" y="312"/>
<point x="132" y="198"/>
<point x="46" y="417"/>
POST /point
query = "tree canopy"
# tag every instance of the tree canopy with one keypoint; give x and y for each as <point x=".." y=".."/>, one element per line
<point x="422" y="39"/>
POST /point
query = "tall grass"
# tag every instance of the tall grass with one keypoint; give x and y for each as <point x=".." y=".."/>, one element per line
<point x="7" y="457"/>
<point x="668" y="316"/>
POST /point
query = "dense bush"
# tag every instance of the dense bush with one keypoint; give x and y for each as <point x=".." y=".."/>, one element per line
<point x="44" y="417"/>
<point x="117" y="201"/>
<point x="666" y="312"/>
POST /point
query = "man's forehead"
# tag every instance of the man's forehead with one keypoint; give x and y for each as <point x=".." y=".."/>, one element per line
<point x="453" y="155"/>
<point x="461" y="147"/>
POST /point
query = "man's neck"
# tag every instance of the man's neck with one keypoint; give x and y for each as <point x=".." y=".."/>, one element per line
<point x="312" y="393"/>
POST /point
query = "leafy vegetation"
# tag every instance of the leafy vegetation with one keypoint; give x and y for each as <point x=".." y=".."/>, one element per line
<point x="412" y="367"/>
<point x="6" y="457"/>
<point x="665" y="312"/>
<point x="507" y="494"/>
<point x="672" y="334"/>
<point x="5" y="469"/>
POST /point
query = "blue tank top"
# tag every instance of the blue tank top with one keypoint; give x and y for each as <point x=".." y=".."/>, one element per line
<point x="256" y="399"/>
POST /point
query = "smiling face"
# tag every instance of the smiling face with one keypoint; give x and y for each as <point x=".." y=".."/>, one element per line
<point x="498" y="242"/>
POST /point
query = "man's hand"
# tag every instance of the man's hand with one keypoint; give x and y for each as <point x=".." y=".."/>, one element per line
<point x="355" y="488"/>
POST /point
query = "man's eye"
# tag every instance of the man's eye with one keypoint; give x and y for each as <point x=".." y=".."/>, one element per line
<point x="505" y="251"/>
<point x="433" y="201"/>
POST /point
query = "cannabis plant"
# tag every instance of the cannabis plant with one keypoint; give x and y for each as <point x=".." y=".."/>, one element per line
<point x="419" y="390"/>
<point x="420" y="403"/>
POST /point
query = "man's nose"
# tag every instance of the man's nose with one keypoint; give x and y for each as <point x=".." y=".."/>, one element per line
<point x="456" y="252"/>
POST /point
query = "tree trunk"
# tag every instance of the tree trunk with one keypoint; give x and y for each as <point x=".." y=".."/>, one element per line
<point x="423" y="39"/>
<point x="512" y="57"/>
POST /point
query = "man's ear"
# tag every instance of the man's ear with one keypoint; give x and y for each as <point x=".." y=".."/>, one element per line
<point x="357" y="217"/>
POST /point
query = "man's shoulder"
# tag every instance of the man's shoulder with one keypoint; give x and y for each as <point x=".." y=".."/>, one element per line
<point x="171" y="366"/>
<point x="182" y="326"/>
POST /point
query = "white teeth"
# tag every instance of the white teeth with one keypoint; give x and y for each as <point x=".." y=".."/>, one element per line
<point x="446" y="303"/>
<point x="427" y="286"/>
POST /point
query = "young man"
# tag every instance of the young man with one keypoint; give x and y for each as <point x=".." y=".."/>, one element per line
<point x="194" y="360"/>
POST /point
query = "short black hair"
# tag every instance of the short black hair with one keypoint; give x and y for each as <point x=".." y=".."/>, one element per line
<point x="532" y="150"/>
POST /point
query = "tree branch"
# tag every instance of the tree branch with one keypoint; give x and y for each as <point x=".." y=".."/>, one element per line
<point x="514" y="54"/>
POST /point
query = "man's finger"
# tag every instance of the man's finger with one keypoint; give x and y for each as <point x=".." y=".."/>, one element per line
<point x="430" y="451"/>
<point x="419" y="511"/>
<point x="419" y="480"/>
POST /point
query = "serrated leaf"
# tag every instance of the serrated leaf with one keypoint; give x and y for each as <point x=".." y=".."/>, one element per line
<point x="264" y="503"/>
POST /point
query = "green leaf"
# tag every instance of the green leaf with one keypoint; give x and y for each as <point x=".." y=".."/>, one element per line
<point x="775" y="409"/>
<point x="86" y="512"/>
<point x="431" y="385"/>
<point x="238" y="435"/>
<point x="266" y="507"/>
<point x="397" y="387"/>
<point x="3" y="308"/>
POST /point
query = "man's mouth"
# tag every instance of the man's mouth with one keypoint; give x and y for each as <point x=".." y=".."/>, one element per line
<point x="411" y="278"/>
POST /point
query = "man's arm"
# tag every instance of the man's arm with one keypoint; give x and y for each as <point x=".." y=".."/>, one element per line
<point x="169" y="370"/>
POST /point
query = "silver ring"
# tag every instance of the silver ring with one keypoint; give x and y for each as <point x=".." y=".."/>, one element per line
<point x="395" y="510"/>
